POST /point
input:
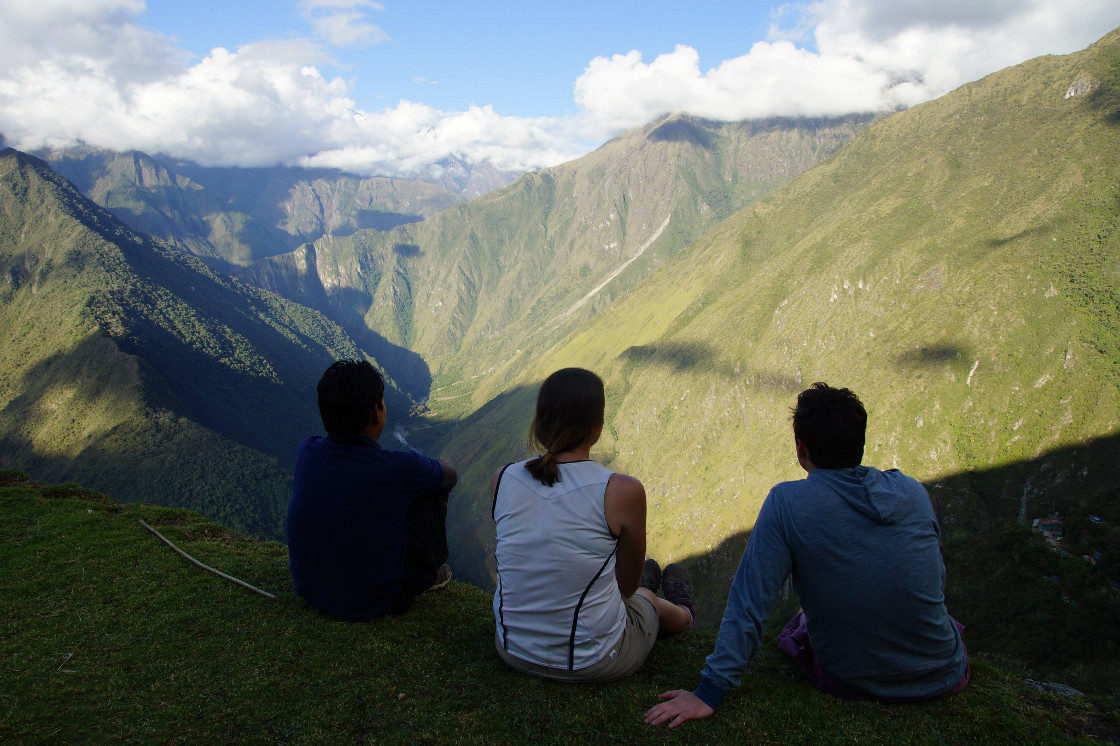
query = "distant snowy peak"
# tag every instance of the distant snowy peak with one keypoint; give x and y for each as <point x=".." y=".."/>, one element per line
<point x="470" y="179"/>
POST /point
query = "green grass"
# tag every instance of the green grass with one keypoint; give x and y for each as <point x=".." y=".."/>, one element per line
<point x="108" y="635"/>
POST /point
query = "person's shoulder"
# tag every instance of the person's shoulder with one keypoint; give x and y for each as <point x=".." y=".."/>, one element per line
<point x="405" y="457"/>
<point x="785" y="490"/>
<point x="310" y="441"/>
<point x="625" y="485"/>
<point x="903" y="482"/>
<point x="310" y="444"/>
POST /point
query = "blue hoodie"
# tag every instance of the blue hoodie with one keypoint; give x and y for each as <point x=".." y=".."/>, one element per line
<point x="864" y="549"/>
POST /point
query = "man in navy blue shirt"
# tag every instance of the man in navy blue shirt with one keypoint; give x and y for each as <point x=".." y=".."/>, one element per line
<point x="366" y="526"/>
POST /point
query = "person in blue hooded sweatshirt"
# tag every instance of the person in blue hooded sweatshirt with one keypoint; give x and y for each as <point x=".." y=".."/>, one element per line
<point x="863" y="547"/>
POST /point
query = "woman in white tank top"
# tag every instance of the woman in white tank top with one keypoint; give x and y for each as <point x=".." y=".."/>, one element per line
<point x="570" y="550"/>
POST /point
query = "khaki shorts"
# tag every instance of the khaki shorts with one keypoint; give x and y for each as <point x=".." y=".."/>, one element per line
<point x="624" y="657"/>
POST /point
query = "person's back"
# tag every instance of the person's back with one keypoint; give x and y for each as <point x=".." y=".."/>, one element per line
<point x="557" y="602"/>
<point x="575" y="598"/>
<point x="863" y="547"/>
<point x="365" y="525"/>
<point x="867" y="567"/>
<point x="347" y="522"/>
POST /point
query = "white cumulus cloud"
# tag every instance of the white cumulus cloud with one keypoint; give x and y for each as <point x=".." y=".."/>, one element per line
<point x="871" y="55"/>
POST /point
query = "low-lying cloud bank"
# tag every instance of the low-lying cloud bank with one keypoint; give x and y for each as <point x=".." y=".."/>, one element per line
<point x="86" y="72"/>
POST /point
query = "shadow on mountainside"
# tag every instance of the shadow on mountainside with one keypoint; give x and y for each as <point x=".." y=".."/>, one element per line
<point x="1106" y="97"/>
<point x="934" y="355"/>
<point x="80" y="416"/>
<point x="408" y="369"/>
<point x="682" y="129"/>
<point x="698" y="356"/>
<point x="1038" y="230"/>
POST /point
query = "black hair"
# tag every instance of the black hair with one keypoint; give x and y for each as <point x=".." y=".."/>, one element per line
<point x="570" y="406"/>
<point x="832" y="424"/>
<point x="348" y="392"/>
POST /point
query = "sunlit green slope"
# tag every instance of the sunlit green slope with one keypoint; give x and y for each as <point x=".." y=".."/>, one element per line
<point x="131" y="366"/>
<point x="482" y="288"/>
<point x="957" y="265"/>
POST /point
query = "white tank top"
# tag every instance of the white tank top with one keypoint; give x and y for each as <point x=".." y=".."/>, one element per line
<point x="557" y="602"/>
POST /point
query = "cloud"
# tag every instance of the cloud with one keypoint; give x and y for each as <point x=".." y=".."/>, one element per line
<point x="92" y="76"/>
<point x="343" y="23"/>
<point x="771" y="79"/>
<point x="86" y="72"/>
<point x="871" y="55"/>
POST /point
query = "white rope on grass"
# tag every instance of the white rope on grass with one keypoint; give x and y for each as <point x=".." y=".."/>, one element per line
<point x="207" y="568"/>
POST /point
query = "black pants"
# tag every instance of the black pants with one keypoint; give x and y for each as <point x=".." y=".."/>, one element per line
<point x="427" y="547"/>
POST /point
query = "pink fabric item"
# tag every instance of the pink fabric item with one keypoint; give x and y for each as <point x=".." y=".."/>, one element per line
<point x="794" y="642"/>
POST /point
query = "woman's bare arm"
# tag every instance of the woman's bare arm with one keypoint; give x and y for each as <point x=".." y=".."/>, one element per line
<point x="625" y="506"/>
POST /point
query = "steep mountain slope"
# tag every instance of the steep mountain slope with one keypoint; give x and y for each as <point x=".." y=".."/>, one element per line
<point x="238" y="215"/>
<point x="957" y="265"/>
<point x="130" y="365"/>
<point x="479" y="289"/>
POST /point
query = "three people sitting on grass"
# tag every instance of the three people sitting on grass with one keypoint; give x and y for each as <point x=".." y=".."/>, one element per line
<point x="576" y="599"/>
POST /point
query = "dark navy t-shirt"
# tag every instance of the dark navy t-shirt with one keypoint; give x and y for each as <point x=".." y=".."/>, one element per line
<point x="346" y="521"/>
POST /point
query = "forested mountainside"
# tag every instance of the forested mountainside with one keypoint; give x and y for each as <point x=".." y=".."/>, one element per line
<point x="479" y="290"/>
<point x="957" y="265"/>
<point x="130" y="365"/>
<point x="232" y="216"/>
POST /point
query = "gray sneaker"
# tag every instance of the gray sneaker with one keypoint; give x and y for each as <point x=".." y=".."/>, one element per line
<point x="678" y="588"/>
<point x="443" y="577"/>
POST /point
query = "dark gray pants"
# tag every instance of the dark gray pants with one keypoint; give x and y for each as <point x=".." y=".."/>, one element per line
<point x="426" y="529"/>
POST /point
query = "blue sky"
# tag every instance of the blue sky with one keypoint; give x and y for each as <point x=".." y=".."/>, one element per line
<point x="392" y="87"/>
<point x="521" y="58"/>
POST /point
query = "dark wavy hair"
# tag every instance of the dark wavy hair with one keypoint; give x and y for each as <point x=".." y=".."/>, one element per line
<point x="832" y="424"/>
<point x="348" y="391"/>
<point x="570" y="406"/>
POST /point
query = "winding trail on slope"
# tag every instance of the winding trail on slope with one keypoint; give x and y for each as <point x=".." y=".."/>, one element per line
<point x="641" y="250"/>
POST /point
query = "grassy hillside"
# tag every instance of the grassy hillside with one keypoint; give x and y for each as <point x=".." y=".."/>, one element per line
<point x="238" y="215"/>
<point x="481" y="288"/>
<point x="110" y="636"/>
<point x="957" y="265"/>
<point x="129" y="365"/>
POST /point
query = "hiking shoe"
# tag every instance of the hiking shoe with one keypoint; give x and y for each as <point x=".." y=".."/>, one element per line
<point x="651" y="576"/>
<point x="443" y="577"/>
<point x="678" y="588"/>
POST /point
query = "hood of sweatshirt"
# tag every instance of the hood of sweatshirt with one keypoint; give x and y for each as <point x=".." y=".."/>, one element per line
<point x="883" y="496"/>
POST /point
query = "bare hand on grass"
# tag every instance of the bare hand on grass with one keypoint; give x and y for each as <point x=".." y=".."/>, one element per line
<point x="677" y="706"/>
